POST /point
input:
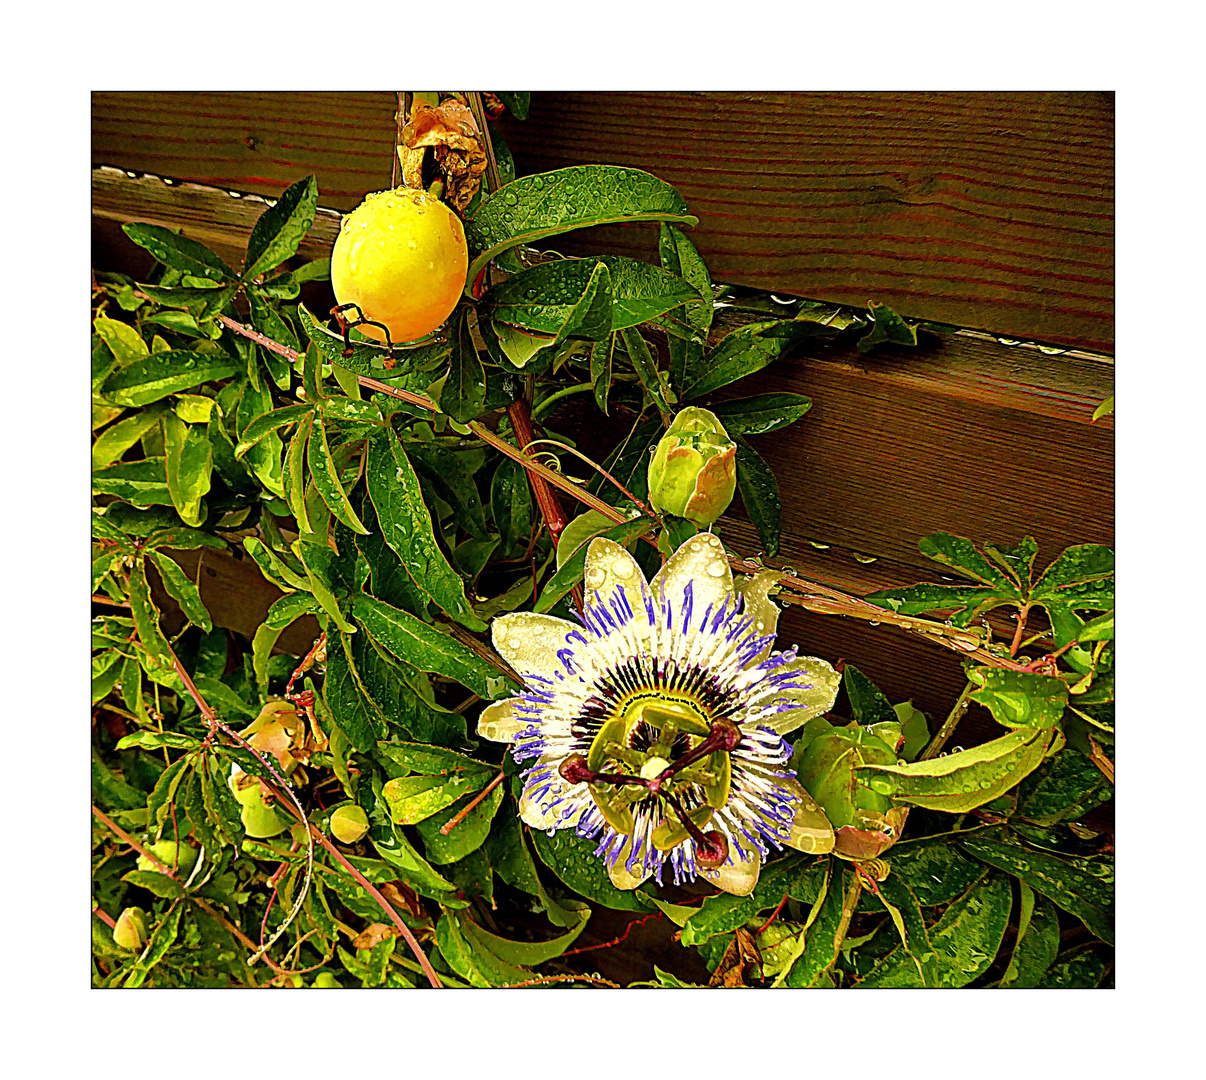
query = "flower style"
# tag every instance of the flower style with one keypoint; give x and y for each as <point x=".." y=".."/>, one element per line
<point x="656" y="727"/>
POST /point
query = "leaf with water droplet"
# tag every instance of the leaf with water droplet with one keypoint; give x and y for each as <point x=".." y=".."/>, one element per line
<point x="746" y="350"/>
<point x="567" y="199"/>
<point x="163" y="373"/>
<point x="759" y="495"/>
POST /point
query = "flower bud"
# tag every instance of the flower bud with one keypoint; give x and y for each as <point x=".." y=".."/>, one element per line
<point x="693" y="473"/>
<point x="349" y="823"/>
<point x="130" y="931"/>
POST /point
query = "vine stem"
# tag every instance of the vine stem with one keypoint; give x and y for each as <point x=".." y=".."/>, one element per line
<point x="810" y="595"/>
<point x="104" y="917"/>
<point x="592" y="979"/>
<point x="550" y="507"/>
<point x="614" y="941"/>
<point x="485" y="793"/>
<point x="944" y="733"/>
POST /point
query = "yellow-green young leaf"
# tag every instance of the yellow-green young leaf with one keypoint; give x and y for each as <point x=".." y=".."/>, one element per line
<point x="423" y="646"/>
<point x="413" y="799"/>
<point x="295" y="473"/>
<point x="194" y="408"/>
<point x="1106" y="408"/>
<point x="183" y="591"/>
<point x="264" y="458"/>
<point x="534" y="207"/>
<point x="122" y="339"/>
<point x="188" y="458"/>
<point x="407" y="528"/>
<point x="962" y="781"/>
<point x="312" y="556"/>
<point x="273" y="567"/>
<point x="326" y="479"/>
<point x="263" y="426"/>
<point x="115" y="441"/>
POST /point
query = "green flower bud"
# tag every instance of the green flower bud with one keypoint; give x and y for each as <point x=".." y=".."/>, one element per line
<point x="166" y="852"/>
<point x="349" y="823"/>
<point x="131" y="929"/>
<point x="693" y="473"/>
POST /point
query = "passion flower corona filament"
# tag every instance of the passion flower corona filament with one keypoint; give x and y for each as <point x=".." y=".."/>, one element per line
<point x="656" y="727"/>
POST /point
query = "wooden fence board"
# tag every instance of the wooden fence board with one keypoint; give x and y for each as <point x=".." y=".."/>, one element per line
<point x="991" y="211"/>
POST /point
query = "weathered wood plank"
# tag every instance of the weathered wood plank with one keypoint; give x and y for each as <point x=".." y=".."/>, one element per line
<point x="992" y="211"/>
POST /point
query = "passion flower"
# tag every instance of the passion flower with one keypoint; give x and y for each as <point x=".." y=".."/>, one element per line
<point x="657" y="727"/>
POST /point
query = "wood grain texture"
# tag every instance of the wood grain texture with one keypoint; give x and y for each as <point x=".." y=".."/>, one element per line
<point x="992" y="211"/>
<point x="985" y="210"/>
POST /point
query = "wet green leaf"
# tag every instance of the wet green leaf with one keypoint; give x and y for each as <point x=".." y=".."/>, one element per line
<point x="163" y="373"/>
<point x="179" y="252"/>
<point x="116" y="440"/>
<point x="407" y="527"/>
<point x="146" y="614"/>
<point x="935" y="870"/>
<point x="1080" y="970"/>
<point x="888" y="327"/>
<point x="350" y="707"/>
<point x="415" y="870"/>
<point x="263" y="426"/>
<point x="759" y="495"/>
<point x="467" y="836"/>
<point x="572" y="858"/>
<point x="273" y="567"/>
<point x="548" y="204"/>
<point x="372" y="360"/>
<point x="279" y="230"/>
<point x="644" y="364"/>
<point x="183" y="591"/>
<point x="511" y="504"/>
<point x="161" y="939"/>
<point x="601" y="357"/>
<point x="1037" y="943"/>
<point x="959" y="782"/>
<point x="758" y="415"/>
<point x="1063" y="788"/>
<point x="965" y="940"/>
<point x="451" y="480"/>
<point x="867" y="702"/>
<point x="464" y="394"/>
<point x="1086" y="895"/>
<point x="188" y="463"/>
<point x="746" y="350"/>
<point x="1019" y="699"/>
<point x="326" y="478"/>
<point x="425" y="647"/>
<point x="123" y="340"/>
<point x="142" y="483"/>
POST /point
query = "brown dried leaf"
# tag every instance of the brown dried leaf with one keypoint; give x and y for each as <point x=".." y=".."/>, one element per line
<point x="457" y="148"/>
<point x="738" y="958"/>
<point x="402" y="896"/>
<point x="374" y="935"/>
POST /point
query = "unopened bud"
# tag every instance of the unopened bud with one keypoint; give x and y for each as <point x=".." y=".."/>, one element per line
<point x="693" y="473"/>
<point x="130" y="932"/>
<point x="349" y="823"/>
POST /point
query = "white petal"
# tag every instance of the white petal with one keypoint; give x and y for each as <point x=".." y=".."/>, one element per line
<point x="620" y="877"/>
<point x="755" y="590"/>
<point x="738" y="878"/>
<point x="500" y="723"/>
<point x="701" y="563"/>
<point x="530" y="642"/>
<point x="558" y="808"/>
<point x="818" y="687"/>
<point x="811" y="831"/>
<point x="609" y="565"/>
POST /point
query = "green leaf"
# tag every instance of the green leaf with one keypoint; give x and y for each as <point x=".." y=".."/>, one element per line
<point x="823" y="939"/>
<point x="759" y="495"/>
<point x="263" y="426"/>
<point x="451" y="480"/>
<point x="572" y="858"/>
<point x="159" y="804"/>
<point x="154" y="882"/>
<point x="962" y="557"/>
<point x="965" y="940"/>
<point x="574" y="568"/>
<point x="146" y="614"/>
<point x="1087" y="896"/>
<point x="1019" y="699"/>
<point x="1106" y="408"/>
<point x="425" y="647"/>
<point x="116" y="440"/>
<point x="527" y="953"/>
<point x="163" y="373"/>
<point x="1037" y="943"/>
<point x="548" y="204"/>
<point x="317" y="558"/>
<point x="645" y="366"/>
<point x="471" y="961"/>
<point x="966" y="779"/>
<point x="264" y="458"/>
<point x="123" y="340"/>
<point x="463" y="396"/>
<point x="105" y="676"/>
<point x="760" y="414"/>
<point x="511" y="504"/>
<point x="568" y="298"/>
<point x="188" y="462"/>
<point x="467" y="837"/>
<point x="179" y="252"/>
<point x="516" y="101"/>
<point x="415" y="870"/>
<point x="719" y="914"/>
<point x="415" y="798"/>
<point x="867" y="702"/>
<point x="279" y="230"/>
<point x="678" y="255"/>
<point x="407" y="527"/>
<point x="326" y="478"/>
<point x="108" y="789"/>
<point x="905" y="911"/>
<point x="182" y="539"/>
<point x="1063" y="788"/>
<point x="746" y="350"/>
<point x="601" y="355"/>
<point x="374" y="361"/>
<point x="155" y="740"/>
<point x="183" y="591"/>
<point x="273" y="567"/>
<point x="1080" y="970"/>
<point x="350" y="707"/>
<point x="200" y="302"/>
<point x="162" y="938"/>
<point x="629" y="462"/>
<point x="888" y="327"/>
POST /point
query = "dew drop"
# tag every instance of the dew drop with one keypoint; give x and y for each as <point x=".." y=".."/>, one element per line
<point x="716" y="569"/>
<point x="510" y="198"/>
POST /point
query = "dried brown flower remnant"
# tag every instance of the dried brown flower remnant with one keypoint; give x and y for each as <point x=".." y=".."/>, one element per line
<point x="738" y="961"/>
<point x="457" y="148"/>
<point x="493" y="104"/>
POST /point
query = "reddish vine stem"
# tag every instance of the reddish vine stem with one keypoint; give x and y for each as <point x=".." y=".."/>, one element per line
<point x="121" y="834"/>
<point x="104" y="917"/>
<point x="446" y="829"/>
<point x="614" y="941"/>
<point x="550" y="507"/>
<point x="773" y="915"/>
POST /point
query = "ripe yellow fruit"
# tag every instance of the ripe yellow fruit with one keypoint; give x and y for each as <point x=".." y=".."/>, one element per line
<point x="401" y="257"/>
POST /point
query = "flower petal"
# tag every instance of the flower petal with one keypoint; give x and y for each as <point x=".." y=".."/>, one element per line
<point x="700" y="563"/>
<point x="620" y="877"/>
<point x="551" y="804"/>
<point x="738" y="878"/>
<point x="530" y="642"/>
<point x="810" y="692"/>
<point x="811" y="831"/>
<point x="755" y="591"/>
<point x="499" y="722"/>
<point x="609" y="565"/>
